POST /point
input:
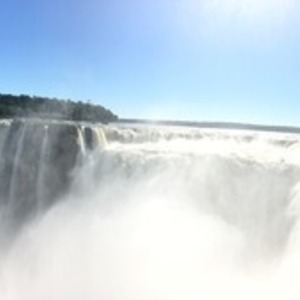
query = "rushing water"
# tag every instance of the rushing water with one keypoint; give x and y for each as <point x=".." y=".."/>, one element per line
<point x="151" y="213"/>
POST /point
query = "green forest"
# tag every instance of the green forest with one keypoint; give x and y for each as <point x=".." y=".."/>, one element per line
<point x="24" y="106"/>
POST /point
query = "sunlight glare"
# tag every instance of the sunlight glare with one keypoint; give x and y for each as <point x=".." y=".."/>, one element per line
<point x="258" y="18"/>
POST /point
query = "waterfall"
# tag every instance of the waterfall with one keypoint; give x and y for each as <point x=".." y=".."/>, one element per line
<point x="81" y="141"/>
<point x="36" y="163"/>
<point x="4" y="131"/>
<point x="16" y="166"/>
<point x="41" y="179"/>
<point x="149" y="212"/>
<point x="99" y="137"/>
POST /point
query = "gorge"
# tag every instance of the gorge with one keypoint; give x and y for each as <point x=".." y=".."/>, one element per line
<point x="142" y="211"/>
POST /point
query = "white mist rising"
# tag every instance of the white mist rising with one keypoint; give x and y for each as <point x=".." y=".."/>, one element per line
<point x="167" y="213"/>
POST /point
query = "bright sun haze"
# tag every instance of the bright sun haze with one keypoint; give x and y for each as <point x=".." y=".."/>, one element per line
<point x="213" y="60"/>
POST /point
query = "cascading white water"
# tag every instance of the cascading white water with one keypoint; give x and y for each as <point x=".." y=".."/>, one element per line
<point x="167" y="213"/>
<point x="81" y="141"/>
<point x="41" y="180"/>
<point x="99" y="137"/>
<point x="16" y="165"/>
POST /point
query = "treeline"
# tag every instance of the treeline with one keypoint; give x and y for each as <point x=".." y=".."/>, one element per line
<point x="24" y="106"/>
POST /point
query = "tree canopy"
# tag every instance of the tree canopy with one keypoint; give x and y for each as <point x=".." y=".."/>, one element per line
<point x="24" y="106"/>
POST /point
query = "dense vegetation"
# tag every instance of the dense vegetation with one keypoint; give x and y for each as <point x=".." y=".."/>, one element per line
<point x="40" y="107"/>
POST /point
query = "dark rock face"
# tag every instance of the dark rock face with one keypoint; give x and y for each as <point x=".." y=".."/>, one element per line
<point x="35" y="167"/>
<point x="60" y="158"/>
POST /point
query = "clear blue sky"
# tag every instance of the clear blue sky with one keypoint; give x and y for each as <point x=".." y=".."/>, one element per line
<point x="216" y="60"/>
